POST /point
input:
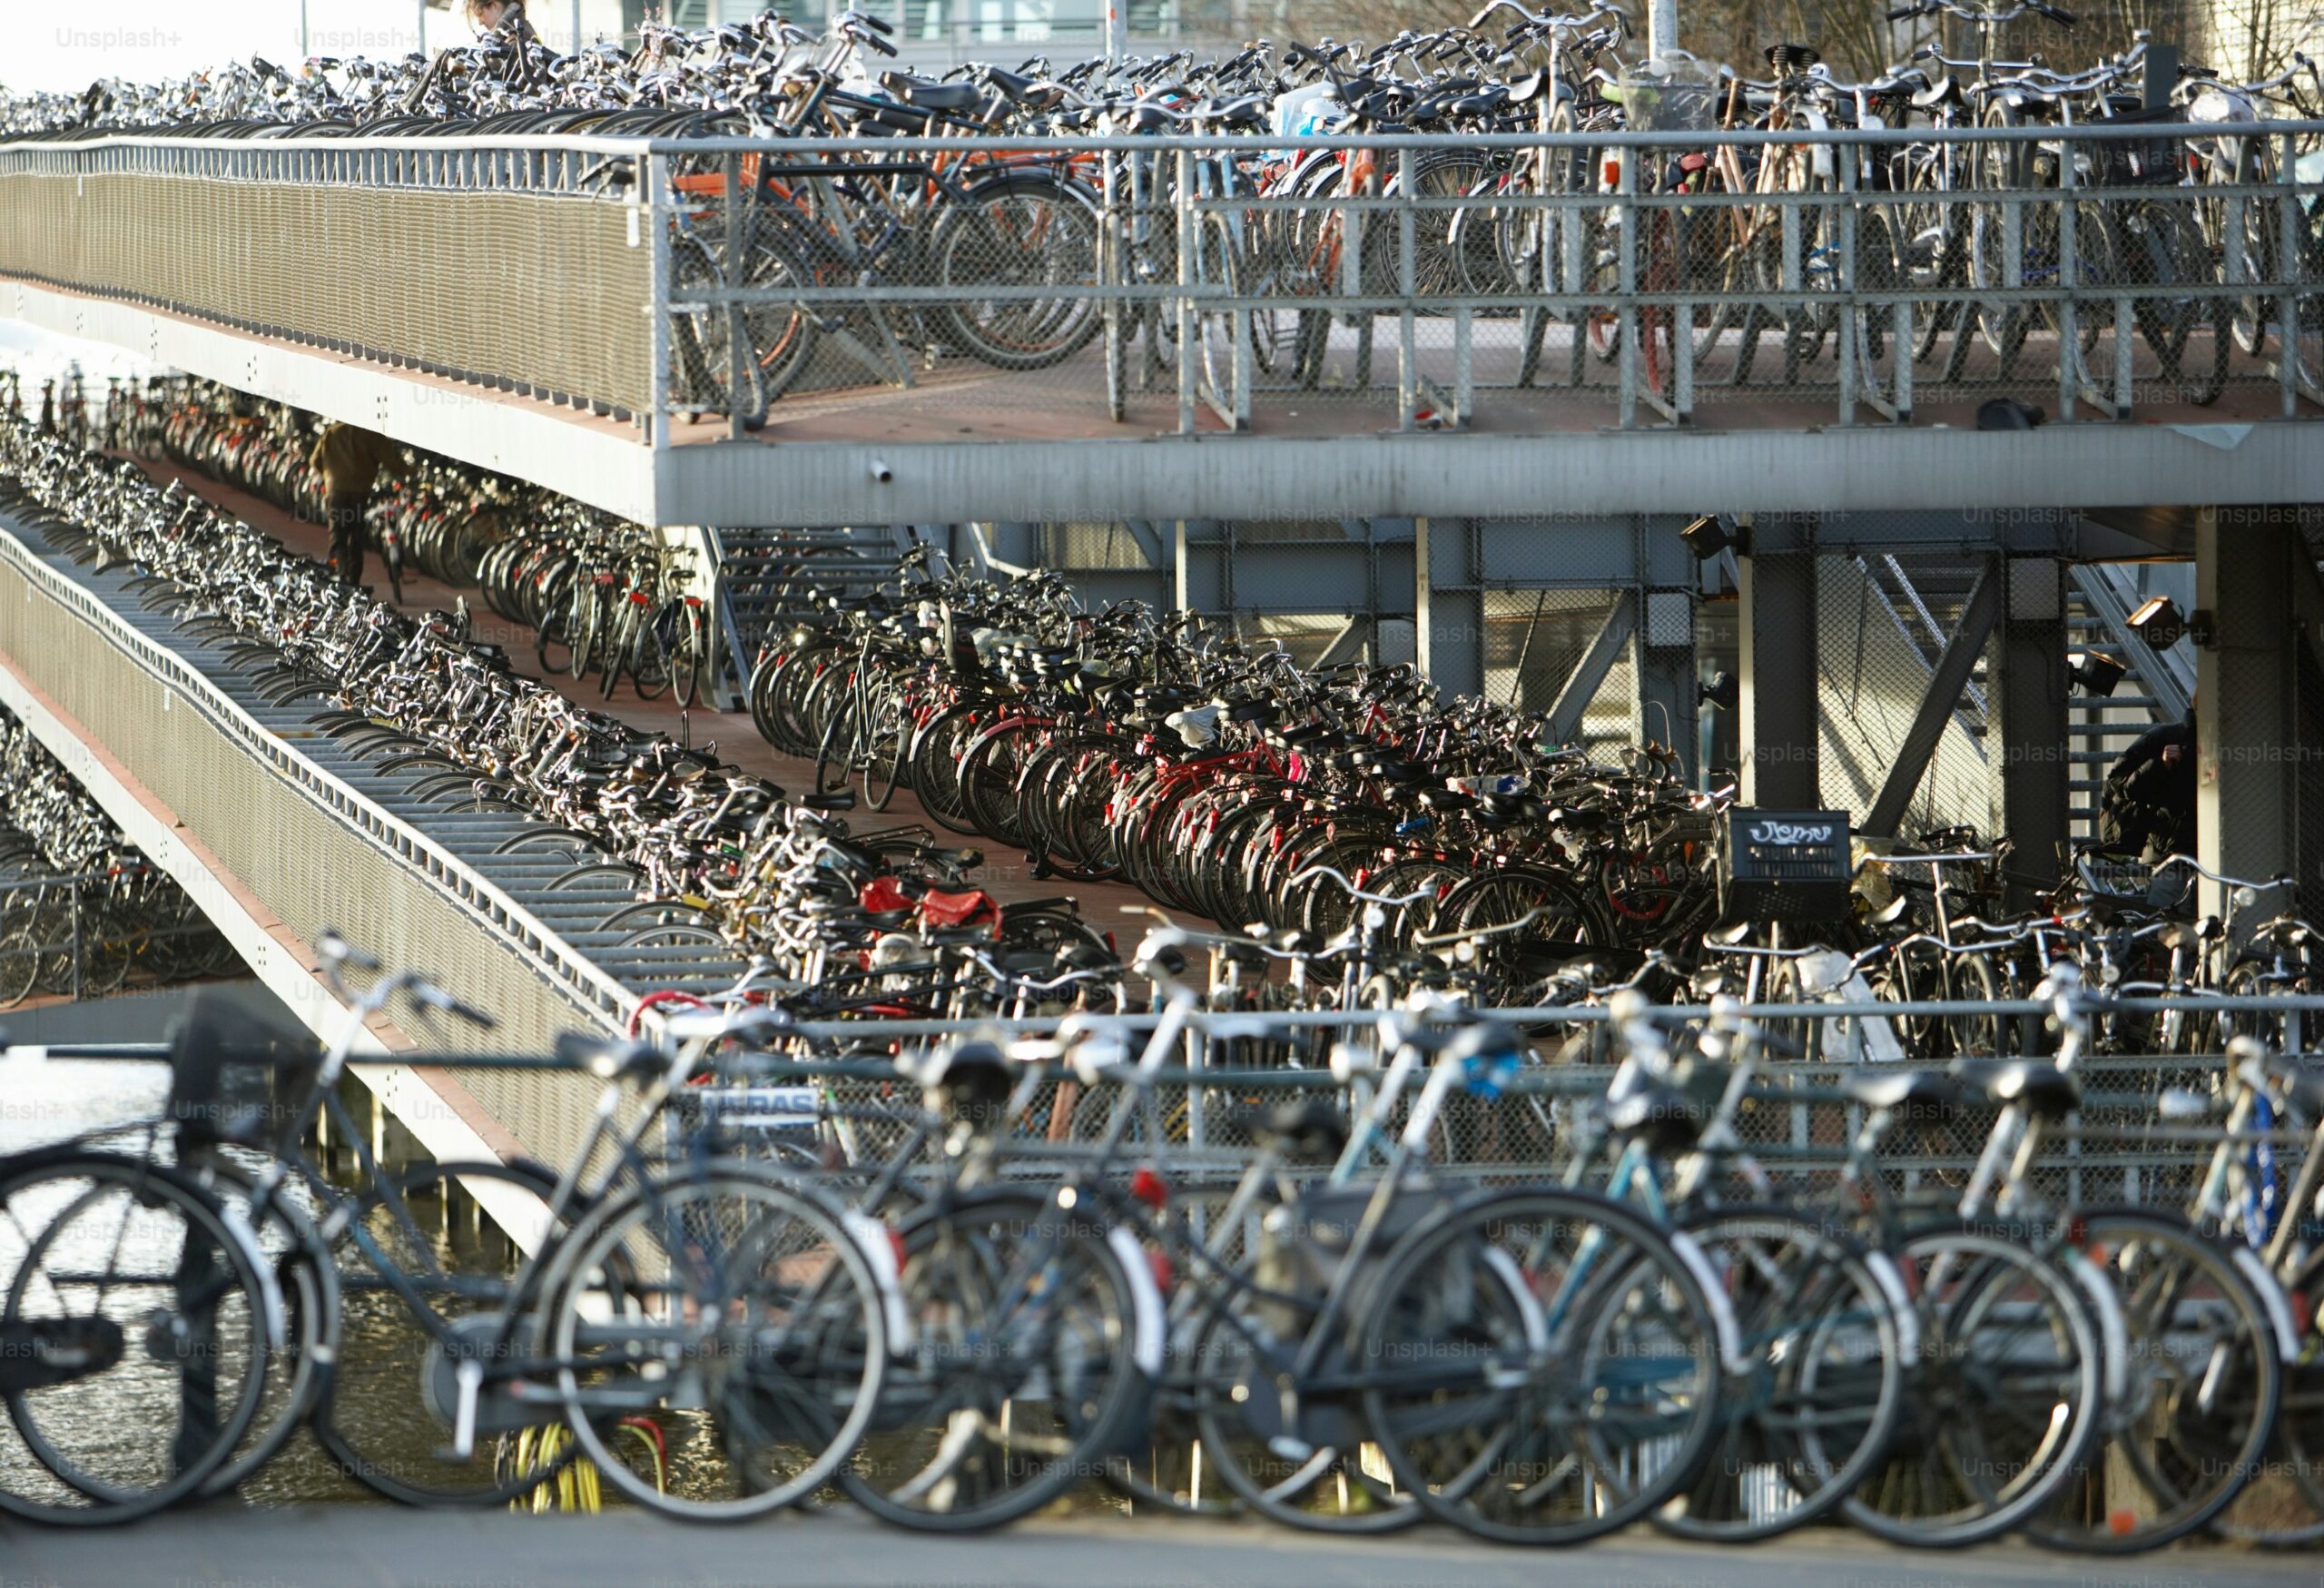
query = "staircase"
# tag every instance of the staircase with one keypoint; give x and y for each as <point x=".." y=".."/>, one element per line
<point x="770" y="579"/>
<point x="2099" y="598"/>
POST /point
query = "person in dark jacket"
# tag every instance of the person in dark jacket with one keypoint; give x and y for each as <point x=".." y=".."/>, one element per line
<point x="491" y="15"/>
<point x="350" y="459"/>
<point x="2148" y="804"/>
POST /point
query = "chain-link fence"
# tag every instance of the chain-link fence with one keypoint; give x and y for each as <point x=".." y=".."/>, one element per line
<point x="1570" y="652"/>
<point x="2146" y="1127"/>
<point x="1884" y="624"/>
<point x="498" y="265"/>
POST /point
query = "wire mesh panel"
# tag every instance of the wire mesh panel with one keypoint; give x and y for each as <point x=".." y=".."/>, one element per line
<point x="1883" y="625"/>
<point x="1528" y="285"/>
<point x="539" y="292"/>
<point x="1535" y="643"/>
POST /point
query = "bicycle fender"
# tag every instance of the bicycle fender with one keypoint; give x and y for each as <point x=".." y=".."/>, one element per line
<point x="1900" y="1301"/>
<point x="1529" y="1306"/>
<point x="2114" y="1331"/>
<point x="1819" y="155"/>
<point x="1146" y="1301"/>
<point x="1733" y="1358"/>
<point x="270" y="1288"/>
<point x="879" y="1252"/>
<point x="2271" y="1297"/>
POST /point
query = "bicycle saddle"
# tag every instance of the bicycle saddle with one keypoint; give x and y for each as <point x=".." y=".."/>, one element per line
<point x="1250" y="111"/>
<point x="925" y="93"/>
<point x="1895" y="1089"/>
<point x="1662" y="1116"/>
<point x="1788" y="59"/>
<point x="1309" y="1131"/>
<point x="1895" y="910"/>
<point x="2042" y="1087"/>
<point x="970" y="1081"/>
<point x="1030" y="91"/>
<point x="2188" y="934"/>
<point x="610" y="1057"/>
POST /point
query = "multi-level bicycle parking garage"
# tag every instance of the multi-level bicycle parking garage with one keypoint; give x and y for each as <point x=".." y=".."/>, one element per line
<point x="1552" y="691"/>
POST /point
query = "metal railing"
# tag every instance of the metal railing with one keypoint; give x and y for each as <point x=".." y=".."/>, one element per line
<point x="64" y="934"/>
<point x="1430" y="281"/>
<point x="272" y="814"/>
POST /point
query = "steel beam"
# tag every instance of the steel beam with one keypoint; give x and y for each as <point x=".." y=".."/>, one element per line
<point x="1491" y="475"/>
<point x="1581" y="687"/>
<point x="1944" y="686"/>
<point x="772" y="482"/>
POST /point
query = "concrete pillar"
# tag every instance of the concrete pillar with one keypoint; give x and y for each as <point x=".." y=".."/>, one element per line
<point x="1776" y="628"/>
<point x="2251" y="570"/>
<point x="2029" y="739"/>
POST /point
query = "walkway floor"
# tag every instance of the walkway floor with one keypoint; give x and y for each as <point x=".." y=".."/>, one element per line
<point x="1007" y="876"/>
<point x="378" y="1546"/>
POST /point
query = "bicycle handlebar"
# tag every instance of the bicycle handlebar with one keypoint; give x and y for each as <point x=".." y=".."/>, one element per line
<point x="1356" y="892"/>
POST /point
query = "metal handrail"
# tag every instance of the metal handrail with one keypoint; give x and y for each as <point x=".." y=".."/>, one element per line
<point x="521" y="932"/>
<point x="2105" y="131"/>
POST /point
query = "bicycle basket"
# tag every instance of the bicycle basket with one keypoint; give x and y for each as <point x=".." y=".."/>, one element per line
<point x="235" y="1072"/>
<point x="1784" y="865"/>
<point x="2137" y="162"/>
<point x="1672" y="92"/>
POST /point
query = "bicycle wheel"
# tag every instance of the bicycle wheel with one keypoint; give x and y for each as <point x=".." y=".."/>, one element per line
<point x="1545" y="1367"/>
<point x="1024" y="1369"/>
<point x="583" y="626"/>
<point x="1030" y="233"/>
<point x="2005" y="1396"/>
<point x="758" y="1357"/>
<point x="887" y="743"/>
<point x="1825" y="1341"/>
<point x="2205" y="1381"/>
<point x="690" y="655"/>
<point x="427" y="1269"/>
<point x="1296" y="1457"/>
<point x="649" y="656"/>
<point x="839" y="754"/>
<point x="135" y="1342"/>
<point x="20" y="960"/>
<point x="2163" y="249"/>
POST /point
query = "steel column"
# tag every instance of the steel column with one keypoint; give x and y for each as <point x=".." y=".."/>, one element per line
<point x="2252" y="568"/>
<point x="2027" y="691"/>
<point x="1668" y="676"/>
<point x="1781" y="752"/>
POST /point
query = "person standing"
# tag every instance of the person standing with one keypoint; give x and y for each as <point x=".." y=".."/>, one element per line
<point x="350" y="459"/>
<point x="2147" y="806"/>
